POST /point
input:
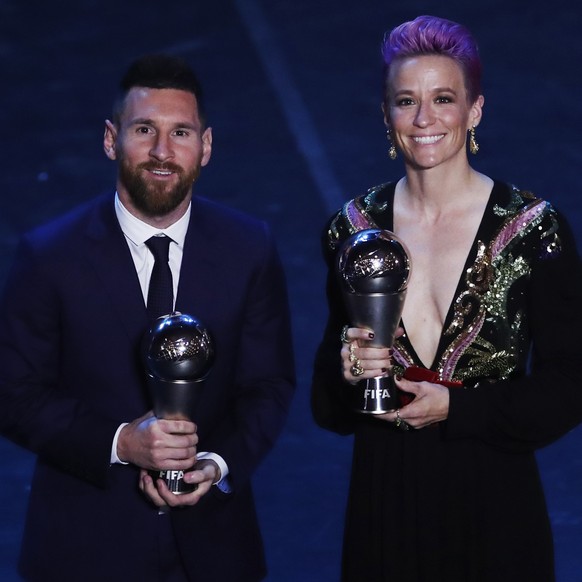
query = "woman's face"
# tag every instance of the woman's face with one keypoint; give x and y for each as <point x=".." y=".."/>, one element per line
<point x="427" y="110"/>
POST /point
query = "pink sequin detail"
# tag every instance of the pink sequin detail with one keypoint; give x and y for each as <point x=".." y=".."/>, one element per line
<point x="400" y="358"/>
<point x="450" y="363"/>
<point x="514" y="226"/>
<point x="356" y="218"/>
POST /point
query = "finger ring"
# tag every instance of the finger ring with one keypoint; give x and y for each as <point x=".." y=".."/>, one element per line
<point x="353" y="357"/>
<point x="357" y="369"/>
<point x="344" y="334"/>
<point x="399" y="423"/>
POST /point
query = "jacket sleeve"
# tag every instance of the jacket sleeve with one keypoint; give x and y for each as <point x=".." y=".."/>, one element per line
<point x="263" y="375"/>
<point x="35" y="411"/>
<point x="330" y="393"/>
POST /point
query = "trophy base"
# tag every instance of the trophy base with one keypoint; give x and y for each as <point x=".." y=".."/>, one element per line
<point x="376" y="395"/>
<point x="175" y="481"/>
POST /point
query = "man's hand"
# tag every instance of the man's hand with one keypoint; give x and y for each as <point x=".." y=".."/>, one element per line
<point x="152" y="443"/>
<point x="204" y="473"/>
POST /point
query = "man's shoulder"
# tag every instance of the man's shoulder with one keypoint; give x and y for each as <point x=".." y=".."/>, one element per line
<point x="213" y="210"/>
<point x="228" y="222"/>
<point x="72" y="223"/>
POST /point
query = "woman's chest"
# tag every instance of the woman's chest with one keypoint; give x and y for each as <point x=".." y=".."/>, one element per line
<point x="439" y="259"/>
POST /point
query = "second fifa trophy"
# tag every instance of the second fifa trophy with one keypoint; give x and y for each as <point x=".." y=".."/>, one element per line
<point x="179" y="354"/>
<point x="374" y="267"/>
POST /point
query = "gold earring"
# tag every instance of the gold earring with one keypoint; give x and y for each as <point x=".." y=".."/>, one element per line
<point x="392" y="153"/>
<point x="473" y="145"/>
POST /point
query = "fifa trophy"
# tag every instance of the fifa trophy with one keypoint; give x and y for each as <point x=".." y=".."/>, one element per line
<point x="373" y="267"/>
<point x="179" y="354"/>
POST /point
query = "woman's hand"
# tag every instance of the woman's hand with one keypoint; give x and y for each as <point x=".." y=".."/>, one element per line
<point x="430" y="405"/>
<point x="359" y="361"/>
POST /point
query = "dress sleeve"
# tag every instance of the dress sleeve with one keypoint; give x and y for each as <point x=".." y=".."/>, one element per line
<point x="330" y="393"/>
<point x="532" y="410"/>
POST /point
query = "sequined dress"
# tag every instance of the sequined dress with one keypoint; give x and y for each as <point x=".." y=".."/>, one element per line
<point x="462" y="501"/>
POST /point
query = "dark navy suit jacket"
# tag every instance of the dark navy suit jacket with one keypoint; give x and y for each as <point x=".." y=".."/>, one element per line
<point x="73" y="318"/>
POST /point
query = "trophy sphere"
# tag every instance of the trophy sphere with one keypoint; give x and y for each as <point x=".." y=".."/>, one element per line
<point x="373" y="261"/>
<point x="179" y="347"/>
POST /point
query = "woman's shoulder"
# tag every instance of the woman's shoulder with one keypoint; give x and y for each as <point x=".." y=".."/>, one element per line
<point x="523" y="216"/>
<point x="372" y="209"/>
<point x="510" y="202"/>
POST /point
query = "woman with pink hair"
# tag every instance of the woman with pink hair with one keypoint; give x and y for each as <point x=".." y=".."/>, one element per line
<point x="445" y="487"/>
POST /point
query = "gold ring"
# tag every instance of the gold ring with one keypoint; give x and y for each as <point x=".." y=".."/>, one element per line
<point x="357" y="369"/>
<point x="344" y="334"/>
<point x="399" y="422"/>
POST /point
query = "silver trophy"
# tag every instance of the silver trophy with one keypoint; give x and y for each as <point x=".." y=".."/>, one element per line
<point x="179" y="354"/>
<point x="373" y="267"/>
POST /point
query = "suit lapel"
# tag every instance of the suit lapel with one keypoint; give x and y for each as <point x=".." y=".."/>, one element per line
<point x="113" y="264"/>
<point x="199" y="271"/>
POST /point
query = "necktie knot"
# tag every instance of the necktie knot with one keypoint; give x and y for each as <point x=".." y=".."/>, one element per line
<point x="160" y="299"/>
<point x="160" y="247"/>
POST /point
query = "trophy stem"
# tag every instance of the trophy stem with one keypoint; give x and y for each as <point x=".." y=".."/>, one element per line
<point x="175" y="399"/>
<point x="376" y="395"/>
<point x="378" y="311"/>
<point x="174" y="479"/>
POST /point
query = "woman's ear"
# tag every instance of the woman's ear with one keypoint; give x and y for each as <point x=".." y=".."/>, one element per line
<point x="477" y="111"/>
<point x="385" y="115"/>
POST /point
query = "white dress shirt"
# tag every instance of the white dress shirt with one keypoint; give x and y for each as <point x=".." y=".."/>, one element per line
<point x="136" y="233"/>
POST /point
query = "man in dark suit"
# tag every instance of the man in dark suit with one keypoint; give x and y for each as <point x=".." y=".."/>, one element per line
<point x="73" y="390"/>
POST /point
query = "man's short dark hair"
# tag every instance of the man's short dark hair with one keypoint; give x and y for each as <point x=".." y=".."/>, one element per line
<point x="159" y="71"/>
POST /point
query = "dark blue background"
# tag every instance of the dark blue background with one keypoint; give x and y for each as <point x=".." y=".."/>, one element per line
<point x="293" y="90"/>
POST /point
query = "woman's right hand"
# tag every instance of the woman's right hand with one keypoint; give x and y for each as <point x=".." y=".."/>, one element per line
<point x="359" y="360"/>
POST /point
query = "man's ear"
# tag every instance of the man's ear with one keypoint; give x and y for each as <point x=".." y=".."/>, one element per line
<point x="110" y="139"/>
<point x="206" y="146"/>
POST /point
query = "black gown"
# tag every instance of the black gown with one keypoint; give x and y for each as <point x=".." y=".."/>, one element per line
<point x="462" y="501"/>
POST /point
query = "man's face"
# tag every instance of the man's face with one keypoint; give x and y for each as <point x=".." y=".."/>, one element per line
<point x="160" y="146"/>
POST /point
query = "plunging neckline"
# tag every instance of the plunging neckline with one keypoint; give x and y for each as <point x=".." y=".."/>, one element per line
<point x="470" y="259"/>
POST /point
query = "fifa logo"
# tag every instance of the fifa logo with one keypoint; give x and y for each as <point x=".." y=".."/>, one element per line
<point x="171" y="475"/>
<point x="376" y="393"/>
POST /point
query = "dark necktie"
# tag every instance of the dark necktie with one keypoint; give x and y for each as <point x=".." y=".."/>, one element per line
<point x="161" y="291"/>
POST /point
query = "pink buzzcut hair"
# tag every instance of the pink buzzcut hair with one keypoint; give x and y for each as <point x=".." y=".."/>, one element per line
<point x="431" y="35"/>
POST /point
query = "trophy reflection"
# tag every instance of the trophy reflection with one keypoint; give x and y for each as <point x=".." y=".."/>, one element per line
<point x="179" y="354"/>
<point x="374" y="267"/>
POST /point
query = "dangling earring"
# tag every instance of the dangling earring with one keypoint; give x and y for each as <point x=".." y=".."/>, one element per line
<point x="392" y="153"/>
<point x="473" y="145"/>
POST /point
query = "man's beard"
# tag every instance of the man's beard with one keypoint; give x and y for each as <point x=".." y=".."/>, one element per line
<point x="155" y="199"/>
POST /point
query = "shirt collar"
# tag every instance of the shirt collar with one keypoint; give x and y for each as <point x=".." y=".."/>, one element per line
<point x="138" y="231"/>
